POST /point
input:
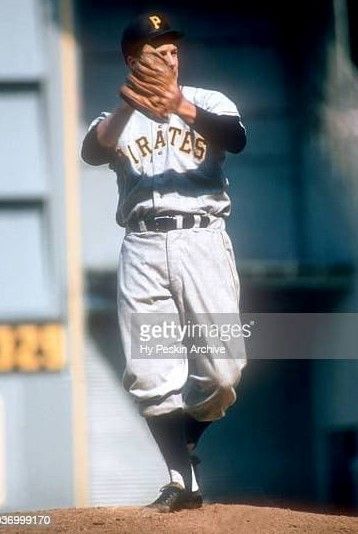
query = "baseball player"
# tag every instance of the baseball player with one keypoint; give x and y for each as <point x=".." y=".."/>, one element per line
<point x="166" y="142"/>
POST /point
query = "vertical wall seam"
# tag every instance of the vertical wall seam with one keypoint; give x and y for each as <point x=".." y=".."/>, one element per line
<point x="70" y="107"/>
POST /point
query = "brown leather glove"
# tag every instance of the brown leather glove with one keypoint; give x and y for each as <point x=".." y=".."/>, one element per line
<point x="152" y="87"/>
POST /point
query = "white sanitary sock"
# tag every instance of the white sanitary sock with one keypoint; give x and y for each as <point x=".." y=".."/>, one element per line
<point x="194" y="483"/>
<point x="176" y="477"/>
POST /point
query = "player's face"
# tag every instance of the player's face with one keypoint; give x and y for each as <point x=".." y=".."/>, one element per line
<point x="170" y="53"/>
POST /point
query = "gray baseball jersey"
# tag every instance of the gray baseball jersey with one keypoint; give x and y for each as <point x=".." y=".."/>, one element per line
<point x="166" y="167"/>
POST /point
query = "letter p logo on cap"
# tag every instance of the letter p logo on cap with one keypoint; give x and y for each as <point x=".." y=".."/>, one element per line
<point x="156" y="21"/>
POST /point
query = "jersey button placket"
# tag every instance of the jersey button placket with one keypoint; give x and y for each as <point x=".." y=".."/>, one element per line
<point x="156" y="195"/>
<point x="158" y="166"/>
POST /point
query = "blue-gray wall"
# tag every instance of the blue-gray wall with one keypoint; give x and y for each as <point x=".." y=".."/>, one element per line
<point x="36" y="438"/>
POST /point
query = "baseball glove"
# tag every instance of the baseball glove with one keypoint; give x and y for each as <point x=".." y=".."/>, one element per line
<point x="151" y="86"/>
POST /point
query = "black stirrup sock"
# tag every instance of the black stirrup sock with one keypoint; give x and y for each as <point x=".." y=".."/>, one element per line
<point x="169" y="432"/>
<point x="194" y="429"/>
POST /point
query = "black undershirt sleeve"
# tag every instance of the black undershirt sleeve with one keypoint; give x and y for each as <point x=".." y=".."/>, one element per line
<point x="93" y="152"/>
<point x="223" y="131"/>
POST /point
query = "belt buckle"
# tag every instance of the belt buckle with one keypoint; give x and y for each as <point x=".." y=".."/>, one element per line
<point x="162" y="219"/>
<point x="156" y="225"/>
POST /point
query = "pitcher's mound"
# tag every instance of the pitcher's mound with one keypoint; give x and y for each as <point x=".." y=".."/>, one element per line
<point x="211" y="519"/>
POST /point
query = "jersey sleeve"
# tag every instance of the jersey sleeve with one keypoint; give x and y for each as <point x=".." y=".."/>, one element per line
<point x="92" y="152"/>
<point x="217" y="119"/>
<point x="98" y="119"/>
<point x="216" y="102"/>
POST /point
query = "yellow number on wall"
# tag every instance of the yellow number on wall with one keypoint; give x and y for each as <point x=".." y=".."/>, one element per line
<point x="32" y="347"/>
<point x="51" y="343"/>
<point x="27" y="349"/>
<point x="7" y="348"/>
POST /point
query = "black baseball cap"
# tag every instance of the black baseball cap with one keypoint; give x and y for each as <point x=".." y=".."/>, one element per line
<point x="147" y="28"/>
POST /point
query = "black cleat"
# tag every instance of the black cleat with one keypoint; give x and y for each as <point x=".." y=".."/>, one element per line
<point x="173" y="498"/>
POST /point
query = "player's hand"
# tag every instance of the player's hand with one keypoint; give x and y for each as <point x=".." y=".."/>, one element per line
<point x="149" y="103"/>
<point x="152" y="85"/>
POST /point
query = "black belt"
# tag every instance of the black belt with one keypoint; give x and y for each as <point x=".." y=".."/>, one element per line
<point x="166" y="223"/>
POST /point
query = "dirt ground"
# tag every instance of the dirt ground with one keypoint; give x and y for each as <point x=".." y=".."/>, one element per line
<point x="211" y="519"/>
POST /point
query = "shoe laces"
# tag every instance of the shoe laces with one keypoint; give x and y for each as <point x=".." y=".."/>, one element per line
<point x="169" y="492"/>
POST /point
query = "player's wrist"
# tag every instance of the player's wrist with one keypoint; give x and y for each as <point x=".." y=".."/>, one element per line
<point x="110" y="128"/>
<point x="186" y="110"/>
<point x="126" y="106"/>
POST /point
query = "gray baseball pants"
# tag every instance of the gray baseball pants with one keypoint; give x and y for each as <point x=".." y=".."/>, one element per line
<point x="186" y="271"/>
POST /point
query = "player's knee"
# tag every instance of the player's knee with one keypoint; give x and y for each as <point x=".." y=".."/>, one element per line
<point x="224" y="381"/>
